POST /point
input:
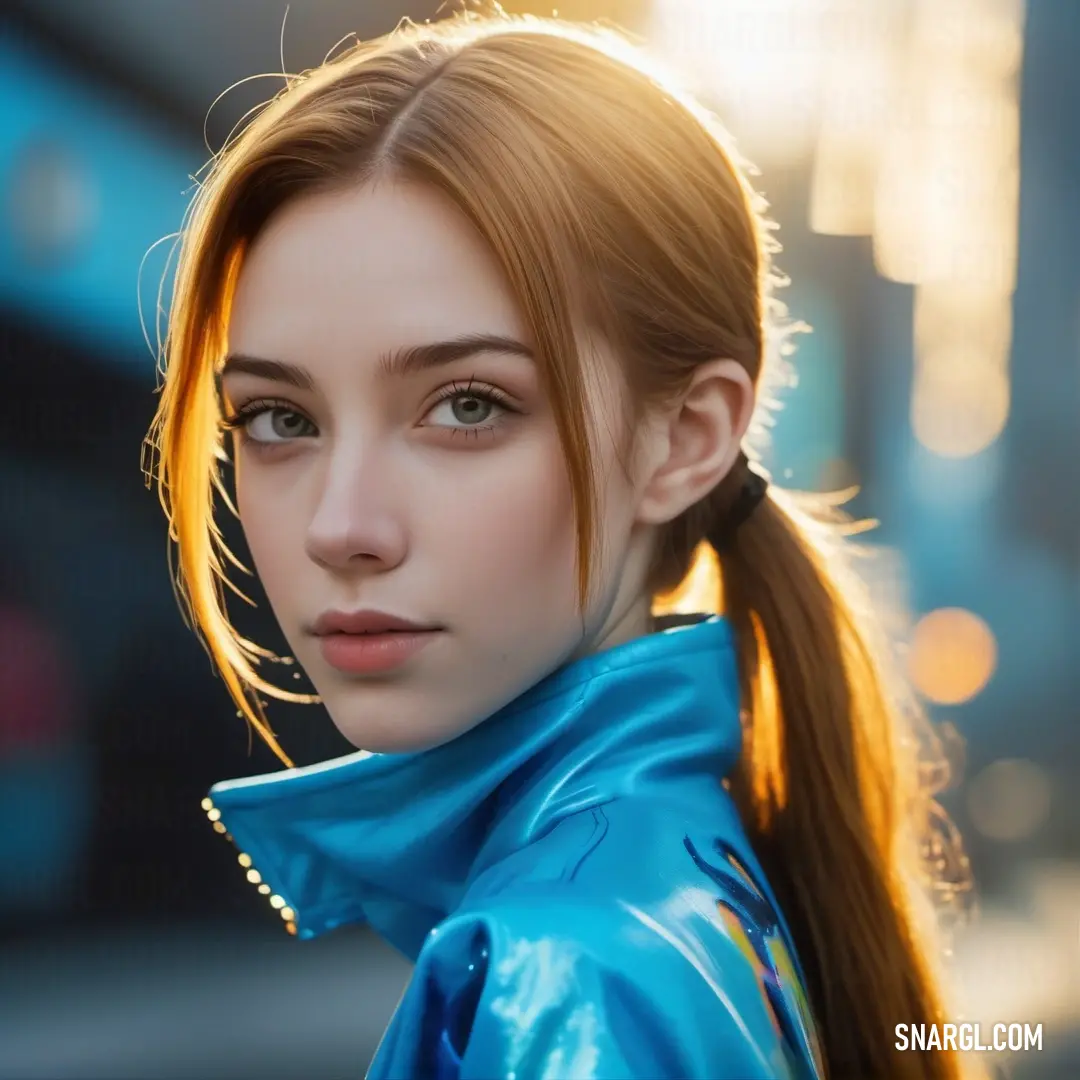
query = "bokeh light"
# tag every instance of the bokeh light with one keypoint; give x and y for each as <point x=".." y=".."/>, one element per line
<point x="760" y="61"/>
<point x="953" y="655"/>
<point x="959" y="403"/>
<point x="1009" y="800"/>
<point x="910" y="118"/>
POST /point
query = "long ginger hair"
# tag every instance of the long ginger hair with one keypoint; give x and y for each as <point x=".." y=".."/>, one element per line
<point x="611" y="200"/>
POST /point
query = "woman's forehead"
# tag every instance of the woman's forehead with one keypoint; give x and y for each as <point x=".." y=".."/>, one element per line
<point x="395" y="262"/>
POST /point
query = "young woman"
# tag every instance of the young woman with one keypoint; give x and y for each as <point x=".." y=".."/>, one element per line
<point x="484" y="306"/>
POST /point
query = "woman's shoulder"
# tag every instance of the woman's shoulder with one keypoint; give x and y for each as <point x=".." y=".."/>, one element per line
<point x="589" y="954"/>
<point x="543" y="981"/>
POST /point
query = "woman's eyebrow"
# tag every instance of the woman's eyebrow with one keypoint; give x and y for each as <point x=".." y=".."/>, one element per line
<point x="407" y="360"/>
<point x="275" y="370"/>
<point x="416" y="358"/>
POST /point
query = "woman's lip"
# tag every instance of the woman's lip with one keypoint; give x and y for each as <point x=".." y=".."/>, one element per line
<point x="365" y="621"/>
<point x="365" y="654"/>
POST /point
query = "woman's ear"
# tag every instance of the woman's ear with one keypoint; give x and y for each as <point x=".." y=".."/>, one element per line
<point x="690" y="447"/>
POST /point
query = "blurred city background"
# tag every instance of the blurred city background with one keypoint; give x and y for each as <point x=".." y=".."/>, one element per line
<point x="922" y="158"/>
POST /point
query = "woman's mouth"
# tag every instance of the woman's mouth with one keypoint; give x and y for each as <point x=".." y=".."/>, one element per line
<point x="372" y="653"/>
<point x="368" y="641"/>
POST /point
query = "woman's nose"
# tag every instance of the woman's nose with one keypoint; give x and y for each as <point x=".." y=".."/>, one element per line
<point x="357" y="518"/>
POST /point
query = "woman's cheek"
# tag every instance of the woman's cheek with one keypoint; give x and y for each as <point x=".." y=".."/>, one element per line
<point x="517" y="519"/>
<point x="273" y="523"/>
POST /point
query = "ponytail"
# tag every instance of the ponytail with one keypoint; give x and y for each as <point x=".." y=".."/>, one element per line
<point x="832" y="799"/>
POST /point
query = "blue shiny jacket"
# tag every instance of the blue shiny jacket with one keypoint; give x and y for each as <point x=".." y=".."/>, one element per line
<point x="570" y="877"/>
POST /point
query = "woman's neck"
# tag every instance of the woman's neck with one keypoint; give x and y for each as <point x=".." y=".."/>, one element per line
<point x="625" y="622"/>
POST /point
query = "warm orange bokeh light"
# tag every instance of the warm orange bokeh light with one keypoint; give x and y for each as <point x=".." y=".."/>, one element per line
<point x="953" y="655"/>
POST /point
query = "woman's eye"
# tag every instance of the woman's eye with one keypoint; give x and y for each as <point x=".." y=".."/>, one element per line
<point x="465" y="410"/>
<point x="278" y="425"/>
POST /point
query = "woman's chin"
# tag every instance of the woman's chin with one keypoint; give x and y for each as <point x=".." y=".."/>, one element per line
<point x="400" y="734"/>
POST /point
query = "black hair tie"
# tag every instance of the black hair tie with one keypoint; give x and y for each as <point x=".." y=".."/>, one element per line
<point x="752" y="490"/>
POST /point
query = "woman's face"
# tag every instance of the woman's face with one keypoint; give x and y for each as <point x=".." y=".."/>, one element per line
<point x="398" y="456"/>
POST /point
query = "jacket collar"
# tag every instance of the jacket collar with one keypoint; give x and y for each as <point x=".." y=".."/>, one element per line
<point x="395" y="839"/>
